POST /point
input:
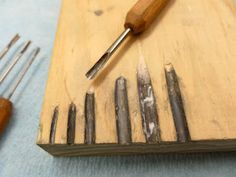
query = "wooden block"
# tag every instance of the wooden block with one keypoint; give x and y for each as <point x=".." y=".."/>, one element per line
<point x="197" y="37"/>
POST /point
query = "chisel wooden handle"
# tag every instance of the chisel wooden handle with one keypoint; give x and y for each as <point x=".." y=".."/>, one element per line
<point x="5" y="113"/>
<point x="143" y="13"/>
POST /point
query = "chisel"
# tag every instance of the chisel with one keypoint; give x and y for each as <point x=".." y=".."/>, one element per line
<point x="137" y="20"/>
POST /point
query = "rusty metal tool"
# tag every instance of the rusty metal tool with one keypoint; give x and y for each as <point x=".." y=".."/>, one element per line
<point x="9" y="45"/>
<point x="5" y="104"/>
<point x="137" y="20"/>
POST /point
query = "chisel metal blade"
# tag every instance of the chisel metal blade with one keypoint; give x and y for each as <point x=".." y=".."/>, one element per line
<point x="105" y="57"/>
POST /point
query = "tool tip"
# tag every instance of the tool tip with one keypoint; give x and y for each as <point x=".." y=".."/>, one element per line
<point x="98" y="66"/>
<point x="89" y="76"/>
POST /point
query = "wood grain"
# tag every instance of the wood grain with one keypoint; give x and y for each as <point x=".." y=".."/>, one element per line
<point x="197" y="37"/>
<point x="140" y="148"/>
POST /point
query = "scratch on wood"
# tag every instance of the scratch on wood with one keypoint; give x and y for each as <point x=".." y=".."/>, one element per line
<point x="66" y="90"/>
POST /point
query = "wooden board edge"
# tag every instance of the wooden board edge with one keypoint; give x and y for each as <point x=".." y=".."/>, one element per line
<point x="139" y="148"/>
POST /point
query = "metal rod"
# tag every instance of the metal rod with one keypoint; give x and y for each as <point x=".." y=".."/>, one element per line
<point x="16" y="59"/>
<point x="105" y="57"/>
<point x="23" y="72"/>
<point x="9" y="45"/>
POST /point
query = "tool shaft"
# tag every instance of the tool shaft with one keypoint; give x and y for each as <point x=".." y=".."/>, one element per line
<point x="9" y="45"/>
<point x="23" y="72"/>
<point x="118" y="41"/>
<point x="16" y="59"/>
<point x="105" y="57"/>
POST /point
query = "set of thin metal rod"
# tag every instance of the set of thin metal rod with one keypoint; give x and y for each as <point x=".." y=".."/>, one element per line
<point x="15" y="59"/>
<point x="148" y="109"/>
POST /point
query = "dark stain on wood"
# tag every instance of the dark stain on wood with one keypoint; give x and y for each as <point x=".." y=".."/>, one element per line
<point x="71" y="124"/>
<point x="53" y="125"/>
<point x="123" y="126"/>
<point x="89" y="119"/>
<point x="98" y="12"/>
<point x="148" y="107"/>
<point x="176" y="104"/>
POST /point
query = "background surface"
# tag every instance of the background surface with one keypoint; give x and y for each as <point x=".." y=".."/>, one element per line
<point x="21" y="157"/>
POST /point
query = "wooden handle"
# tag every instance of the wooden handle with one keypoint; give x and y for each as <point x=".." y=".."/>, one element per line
<point x="143" y="13"/>
<point x="5" y="113"/>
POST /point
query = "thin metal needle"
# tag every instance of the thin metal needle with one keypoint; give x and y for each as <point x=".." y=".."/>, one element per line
<point x="102" y="61"/>
<point x="23" y="72"/>
<point x="16" y="59"/>
<point x="9" y="45"/>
